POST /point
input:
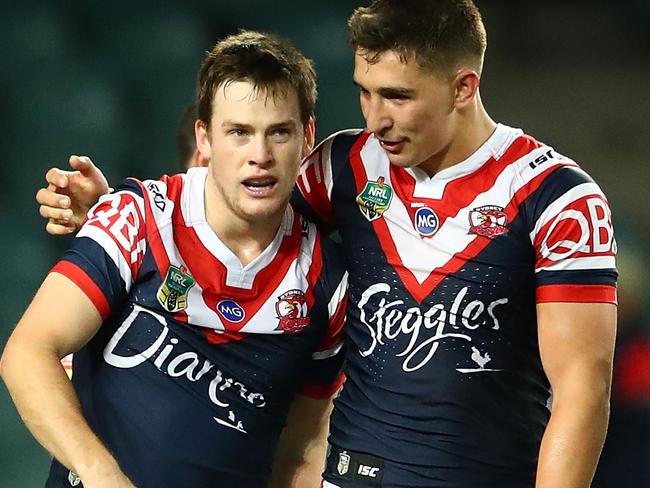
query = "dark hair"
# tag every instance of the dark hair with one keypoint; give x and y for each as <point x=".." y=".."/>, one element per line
<point x="267" y="61"/>
<point x="185" y="138"/>
<point x="439" y="34"/>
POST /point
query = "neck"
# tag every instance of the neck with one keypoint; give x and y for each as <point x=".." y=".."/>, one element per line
<point x="245" y="238"/>
<point x="472" y="129"/>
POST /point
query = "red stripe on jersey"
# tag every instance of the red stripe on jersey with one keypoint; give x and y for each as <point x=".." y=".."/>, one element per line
<point x="335" y="327"/>
<point x="211" y="274"/>
<point x="317" y="196"/>
<point x="323" y="391"/>
<point x="457" y="193"/>
<point x="314" y="272"/>
<point x="576" y="293"/>
<point x="80" y="278"/>
<point x="215" y="337"/>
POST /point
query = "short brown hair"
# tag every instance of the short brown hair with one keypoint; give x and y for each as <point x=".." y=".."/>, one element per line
<point x="266" y="61"/>
<point x="439" y="34"/>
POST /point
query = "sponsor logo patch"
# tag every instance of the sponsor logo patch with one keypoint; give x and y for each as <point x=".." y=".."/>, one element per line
<point x="375" y="199"/>
<point x="231" y="311"/>
<point x="488" y="221"/>
<point x="426" y="221"/>
<point x="291" y="308"/>
<point x="344" y="463"/>
<point x="172" y="294"/>
<point x="73" y="478"/>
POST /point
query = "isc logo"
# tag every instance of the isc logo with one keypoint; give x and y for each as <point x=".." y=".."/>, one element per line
<point x="231" y="311"/>
<point x="426" y="221"/>
<point x="369" y="471"/>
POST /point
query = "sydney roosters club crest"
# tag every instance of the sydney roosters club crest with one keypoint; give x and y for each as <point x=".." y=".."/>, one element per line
<point x="291" y="308"/>
<point x="488" y="221"/>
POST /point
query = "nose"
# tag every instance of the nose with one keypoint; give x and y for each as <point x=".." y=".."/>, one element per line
<point x="377" y="117"/>
<point x="260" y="152"/>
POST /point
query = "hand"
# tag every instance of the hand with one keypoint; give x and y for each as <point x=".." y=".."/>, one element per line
<point x="69" y="195"/>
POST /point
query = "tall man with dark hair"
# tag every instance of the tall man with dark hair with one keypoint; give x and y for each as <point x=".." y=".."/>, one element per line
<point x="481" y="268"/>
<point x="197" y="305"/>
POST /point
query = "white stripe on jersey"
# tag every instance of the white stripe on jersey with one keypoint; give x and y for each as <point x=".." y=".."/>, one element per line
<point x="338" y="295"/>
<point x="112" y="250"/>
<point x="573" y="264"/>
<point x="563" y="201"/>
<point x="328" y="353"/>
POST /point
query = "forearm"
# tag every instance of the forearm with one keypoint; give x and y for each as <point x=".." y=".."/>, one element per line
<point x="573" y="440"/>
<point x="48" y="405"/>
<point x="297" y="470"/>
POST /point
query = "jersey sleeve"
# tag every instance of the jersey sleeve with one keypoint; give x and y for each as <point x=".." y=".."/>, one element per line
<point x="106" y="254"/>
<point x="324" y="374"/>
<point x="573" y="240"/>
<point x="312" y="195"/>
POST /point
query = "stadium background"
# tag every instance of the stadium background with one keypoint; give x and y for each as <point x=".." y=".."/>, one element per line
<point x="110" y="79"/>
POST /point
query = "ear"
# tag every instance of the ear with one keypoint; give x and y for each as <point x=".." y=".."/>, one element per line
<point x="466" y="87"/>
<point x="203" y="145"/>
<point x="310" y="137"/>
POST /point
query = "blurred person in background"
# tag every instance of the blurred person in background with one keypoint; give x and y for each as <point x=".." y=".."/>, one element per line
<point x="482" y="273"/>
<point x="202" y="310"/>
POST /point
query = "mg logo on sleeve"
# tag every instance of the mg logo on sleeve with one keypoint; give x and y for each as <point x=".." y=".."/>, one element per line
<point x="172" y="294"/>
<point x="375" y="199"/>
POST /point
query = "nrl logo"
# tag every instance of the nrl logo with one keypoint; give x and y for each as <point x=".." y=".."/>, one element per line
<point x="375" y="198"/>
<point x="172" y="294"/>
<point x="488" y="221"/>
<point x="344" y="463"/>
<point x="291" y="308"/>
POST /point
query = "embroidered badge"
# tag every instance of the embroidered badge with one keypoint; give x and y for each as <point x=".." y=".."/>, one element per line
<point x="488" y="221"/>
<point x="344" y="463"/>
<point x="291" y="308"/>
<point x="375" y="198"/>
<point x="172" y="294"/>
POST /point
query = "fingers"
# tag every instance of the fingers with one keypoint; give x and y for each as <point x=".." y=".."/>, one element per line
<point x="59" y="215"/>
<point x="81" y="163"/>
<point x="57" y="177"/>
<point x="59" y="229"/>
<point x="50" y="198"/>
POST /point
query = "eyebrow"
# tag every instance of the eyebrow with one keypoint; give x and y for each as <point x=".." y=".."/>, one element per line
<point x="390" y="92"/>
<point x="231" y="124"/>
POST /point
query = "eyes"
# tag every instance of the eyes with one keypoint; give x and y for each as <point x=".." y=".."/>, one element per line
<point x="388" y="94"/>
<point x="276" y="134"/>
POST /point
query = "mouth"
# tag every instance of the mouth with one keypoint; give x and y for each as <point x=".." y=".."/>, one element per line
<point x="260" y="186"/>
<point x="392" y="147"/>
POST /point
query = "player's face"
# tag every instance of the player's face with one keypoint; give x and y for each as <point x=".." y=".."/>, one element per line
<point x="410" y="110"/>
<point x="255" y="143"/>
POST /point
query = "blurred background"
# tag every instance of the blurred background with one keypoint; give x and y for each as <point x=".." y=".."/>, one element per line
<point x="110" y="80"/>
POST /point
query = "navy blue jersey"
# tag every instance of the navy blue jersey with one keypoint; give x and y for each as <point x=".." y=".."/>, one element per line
<point x="445" y="386"/>
<point x="189" y="379"/>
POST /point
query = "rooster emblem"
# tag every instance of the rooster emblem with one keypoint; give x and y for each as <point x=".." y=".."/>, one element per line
<point x="479" y="359"/>
<point x="291" y="308"/>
